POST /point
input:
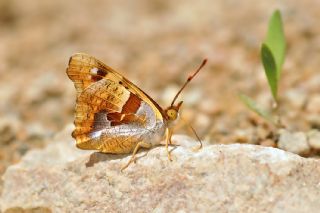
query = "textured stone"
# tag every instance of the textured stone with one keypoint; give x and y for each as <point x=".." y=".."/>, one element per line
<point x="218" y="178"/>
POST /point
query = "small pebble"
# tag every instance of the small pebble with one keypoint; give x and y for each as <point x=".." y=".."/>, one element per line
<point x="296" y="97"/>
<point x="244" y="136"/>
<point x="293" y="142"/>
<point x="313" y="104"/>
<point x="314" y="139"/>
<point x="9" y="128"/>
<point x="268" y="142"/>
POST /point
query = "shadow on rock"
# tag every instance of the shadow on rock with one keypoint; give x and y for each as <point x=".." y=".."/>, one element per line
<point x="97" y="157"/>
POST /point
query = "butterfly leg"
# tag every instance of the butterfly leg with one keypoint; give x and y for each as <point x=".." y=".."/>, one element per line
<point x="136" y="149"/>
<point x="169" y="137"/>
<point x="168" y="141"/>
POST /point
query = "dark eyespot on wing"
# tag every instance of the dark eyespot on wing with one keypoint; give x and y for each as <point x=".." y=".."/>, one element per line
<point x="96" y="78"/>
<point x="102" y="73"/>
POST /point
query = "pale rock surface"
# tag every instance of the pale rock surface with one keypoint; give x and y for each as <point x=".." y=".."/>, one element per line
<point x="218" y="178"/>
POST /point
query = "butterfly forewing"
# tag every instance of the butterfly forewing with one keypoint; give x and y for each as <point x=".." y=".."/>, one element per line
<point x="84" y="70"/>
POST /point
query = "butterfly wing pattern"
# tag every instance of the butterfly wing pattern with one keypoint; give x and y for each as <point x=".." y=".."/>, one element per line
<point x="112" y="115"/>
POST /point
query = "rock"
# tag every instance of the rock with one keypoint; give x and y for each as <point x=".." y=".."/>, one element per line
<point x="169" y="93"/>
<point x="45" y="86"/>
<point x="9" y="127"/>
<point x="268" y="142"/>
<point x="202" y="121"/>
<point x="244" y="136"/>
<point x="296" y="97"/>
<point x="218" y="178"/>
<point x="194" y="96"/>
<point x="313" y="104"/>
<point x="314" y="120"/>
<point x="209" y="107"/>
<point x="314" y="139"/>
<point x="241" y="136"/>
<point x="293" y="142"/>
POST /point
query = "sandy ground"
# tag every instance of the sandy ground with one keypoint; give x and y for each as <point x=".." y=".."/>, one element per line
<point x="156" y="44"/>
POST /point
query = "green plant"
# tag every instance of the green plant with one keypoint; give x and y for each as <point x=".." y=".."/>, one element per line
<point x="272" y="56"/>
<point x="273" y="52"/>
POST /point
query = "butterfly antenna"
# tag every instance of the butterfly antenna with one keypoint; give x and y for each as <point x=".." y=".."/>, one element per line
<point x="188" y="80"/>
<point x="194" y="132"/>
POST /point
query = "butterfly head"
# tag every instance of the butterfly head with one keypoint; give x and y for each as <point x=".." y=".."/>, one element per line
<point x="172" y="112"/>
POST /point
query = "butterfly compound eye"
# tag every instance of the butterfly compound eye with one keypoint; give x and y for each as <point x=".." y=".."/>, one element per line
<point x="172" y="114"/>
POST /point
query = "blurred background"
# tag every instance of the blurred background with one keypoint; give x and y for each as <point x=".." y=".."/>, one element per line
<point x="156" y="44"/>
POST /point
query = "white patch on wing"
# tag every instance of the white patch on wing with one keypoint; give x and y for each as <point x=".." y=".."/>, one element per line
<point x="154" y="129"/>
<point x="94" y="71"/>
<point x="146" y="110"/>
<point x="96" y="134"/>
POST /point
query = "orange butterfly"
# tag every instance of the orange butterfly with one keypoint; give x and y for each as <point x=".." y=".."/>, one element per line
<point x="115" y="116"/>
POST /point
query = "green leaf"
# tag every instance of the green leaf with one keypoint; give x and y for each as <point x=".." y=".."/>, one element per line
<point x="252" y="105"/>
<point x="273" y="52"/>
<point x="276" y="40"/>
<point x="270" y="69"/>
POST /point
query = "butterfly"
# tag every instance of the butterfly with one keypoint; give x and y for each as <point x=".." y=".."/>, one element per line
<point x="113" y="115"/>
